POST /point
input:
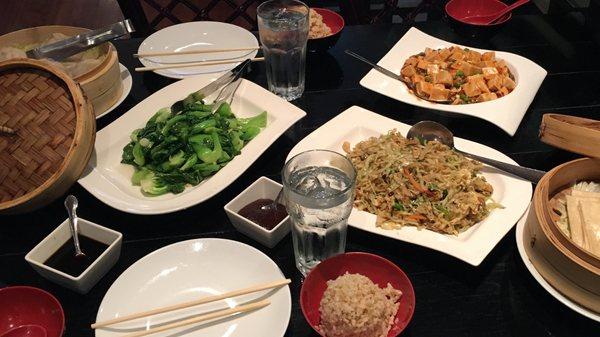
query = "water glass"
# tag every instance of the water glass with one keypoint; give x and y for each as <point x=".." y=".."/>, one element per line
<point x="318" y="189"/>
<point x="283" y="30"/>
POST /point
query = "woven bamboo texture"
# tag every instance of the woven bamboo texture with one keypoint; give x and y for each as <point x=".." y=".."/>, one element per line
<point x="48" y="114"/>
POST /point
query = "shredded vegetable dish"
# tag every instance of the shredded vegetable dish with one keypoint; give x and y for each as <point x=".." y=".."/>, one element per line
<point x="407" y="182"/>
<point x="458" y="75"/>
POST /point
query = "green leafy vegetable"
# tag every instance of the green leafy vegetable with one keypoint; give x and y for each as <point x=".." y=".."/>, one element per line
<point x="173" y="151"/>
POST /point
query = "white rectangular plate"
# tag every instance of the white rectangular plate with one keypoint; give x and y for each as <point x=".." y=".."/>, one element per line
<point x="110" y="181"/>
<point x="505" y="112"/>
<point x="473" y="245"/>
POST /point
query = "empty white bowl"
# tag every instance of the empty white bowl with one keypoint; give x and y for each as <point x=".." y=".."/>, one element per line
<point x="89" y="277"/>
<point x="262" y="188"/>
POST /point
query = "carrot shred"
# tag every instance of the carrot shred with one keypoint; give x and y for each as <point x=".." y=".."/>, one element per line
<point x="415" y="184"/>
<point x="416" y="217"/>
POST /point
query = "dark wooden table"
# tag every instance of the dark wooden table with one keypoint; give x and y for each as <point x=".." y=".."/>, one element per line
<point x="498" y="298"/>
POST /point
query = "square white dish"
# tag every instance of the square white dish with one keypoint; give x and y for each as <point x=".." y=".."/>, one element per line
<point x="473" y="245"/>
<point x="89" y="277"/>
<point x="505" y="112"/>
<point x="262" y="188"/>
<point x="110" y="181"/>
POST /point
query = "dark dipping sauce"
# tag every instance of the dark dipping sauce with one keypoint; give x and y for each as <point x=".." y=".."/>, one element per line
<point x="64" y="258"/>
<point x="265" y="218"/>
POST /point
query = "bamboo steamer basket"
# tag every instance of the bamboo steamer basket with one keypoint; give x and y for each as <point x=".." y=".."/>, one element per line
<point x="571" y="270"/>
<point x="102" y="85"/>
<point x="53" y="131"/>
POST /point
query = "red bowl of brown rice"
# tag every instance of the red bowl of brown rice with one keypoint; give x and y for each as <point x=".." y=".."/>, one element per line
<point x="357" y="295"/>
<point x="324" y="29"/>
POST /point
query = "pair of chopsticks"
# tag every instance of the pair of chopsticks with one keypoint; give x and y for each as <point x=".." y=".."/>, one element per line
<point x="194" y="64"/>
<point x="200" y="318"/>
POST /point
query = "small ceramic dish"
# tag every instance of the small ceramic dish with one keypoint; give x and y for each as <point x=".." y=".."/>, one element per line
<point x="381" y="271"/>
<point x="89" y="277"/>
<point x="262" y="188"/>
<point x="29" y="311"/>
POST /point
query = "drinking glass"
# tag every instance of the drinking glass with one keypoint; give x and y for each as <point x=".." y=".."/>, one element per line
<point x="318" y="187"/>
<point x="283" y="30"/>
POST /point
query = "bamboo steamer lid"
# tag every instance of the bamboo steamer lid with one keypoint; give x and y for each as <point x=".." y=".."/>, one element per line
<point x="574" y="134"/>
<point x="53" y="136"/>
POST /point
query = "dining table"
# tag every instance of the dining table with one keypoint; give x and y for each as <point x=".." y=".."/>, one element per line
<point x="453" y="298"/>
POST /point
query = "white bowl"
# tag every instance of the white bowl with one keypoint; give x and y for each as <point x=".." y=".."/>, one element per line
<point x="262" y="188"/>
<point x="89" y="277"/>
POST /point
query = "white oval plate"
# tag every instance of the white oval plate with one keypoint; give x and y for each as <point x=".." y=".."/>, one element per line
<point x="197" y="35"/>
<point x="110" y="181"/>
<point x="473" y="245"/>
<point x="193" y="269"/>
<point x="127" y="83"/>
<point x="520" y="236"/>
<point x="505" y="112"/>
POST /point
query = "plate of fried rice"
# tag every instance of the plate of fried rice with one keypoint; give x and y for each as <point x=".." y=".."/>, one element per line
<point x="357" y="295"/>
<point x="423" y="192"/>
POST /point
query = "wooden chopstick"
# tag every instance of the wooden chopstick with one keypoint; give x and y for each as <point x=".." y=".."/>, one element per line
<point x="188" y="304"/>
<point x="192" y="52"/>
<point x="6" y="130"/>
<point x="201" y="318"/>
<point x="195" y="64"/>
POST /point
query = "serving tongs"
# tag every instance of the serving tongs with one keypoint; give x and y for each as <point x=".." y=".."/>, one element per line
<point x="227" y="84"/>
<point x="62" y="49"/>
<point x="395" y="76"/>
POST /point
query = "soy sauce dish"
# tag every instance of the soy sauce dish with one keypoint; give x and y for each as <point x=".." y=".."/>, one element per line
<point x="54" y="257"/>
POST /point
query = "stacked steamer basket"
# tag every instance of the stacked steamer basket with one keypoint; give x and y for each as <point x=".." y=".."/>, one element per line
<point x="570" y="269"/>
<point x="102" y="85"/>
<point x="46" y="137"/>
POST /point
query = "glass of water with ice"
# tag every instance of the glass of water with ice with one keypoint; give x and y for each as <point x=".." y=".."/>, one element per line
<point x="318" y="187"/>
<point x="283" y="30"/>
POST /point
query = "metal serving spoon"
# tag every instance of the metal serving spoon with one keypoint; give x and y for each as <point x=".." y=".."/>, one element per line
<point x="429" y="130"/>
<point x="395" y="76"/>
<point x="71" y="204"/>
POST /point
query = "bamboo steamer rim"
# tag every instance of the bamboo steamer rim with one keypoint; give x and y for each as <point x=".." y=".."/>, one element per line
<point x="79" y="101"/>
<point x="555" y="236"/>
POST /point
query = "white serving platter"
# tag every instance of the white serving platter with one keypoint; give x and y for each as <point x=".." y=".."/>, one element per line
<point x="528" y="254"/>
<point x="197" y="35"/>
<point x="190" y="270"/>
<point x="505" y="112"/>
<point x="473" y="245"/>
<point x="110" y="181"/>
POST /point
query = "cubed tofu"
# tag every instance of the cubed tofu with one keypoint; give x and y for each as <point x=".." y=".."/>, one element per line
<point x="424" y="88"/>
<point x="439" y="86"/>
<point x="408" y="71"/>
<point x="432" y="69"/>
<point x="489" y="72"/>
<point x="457" y="55"/>
<point x="474" y="78"/>
<point x="503" y="92"/>
<point x="482" y="86"/>
<point x="473" y="56"/>
<point x="444" y="54"/>
<point x="508" y="83"/>
<point x="418" y="78"/>
<point x="487" y="96"/>
<point x="422" y="64"/>
<point x="443" y="77"/>
<point x="469" y="69"/>
<point x="439" y="94"/>
<point x="495" y="83"/>
<point x="488" y="56"/>
<point x="471" y="89"/>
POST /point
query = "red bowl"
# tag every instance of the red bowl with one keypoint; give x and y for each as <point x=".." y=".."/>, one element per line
<point x="378" y="269"/>
<point x="30" y="306"/>
<point x="460" y="9"/>
<point x="335" y="22"/>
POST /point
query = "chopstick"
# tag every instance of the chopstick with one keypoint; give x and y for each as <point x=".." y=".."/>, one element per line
<point x="203" y="300"/>
<point x="201" y="318"/>
<point x="195" y="64"/>
<point x="6" y="130"/>
<point x="192" y="52"/>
